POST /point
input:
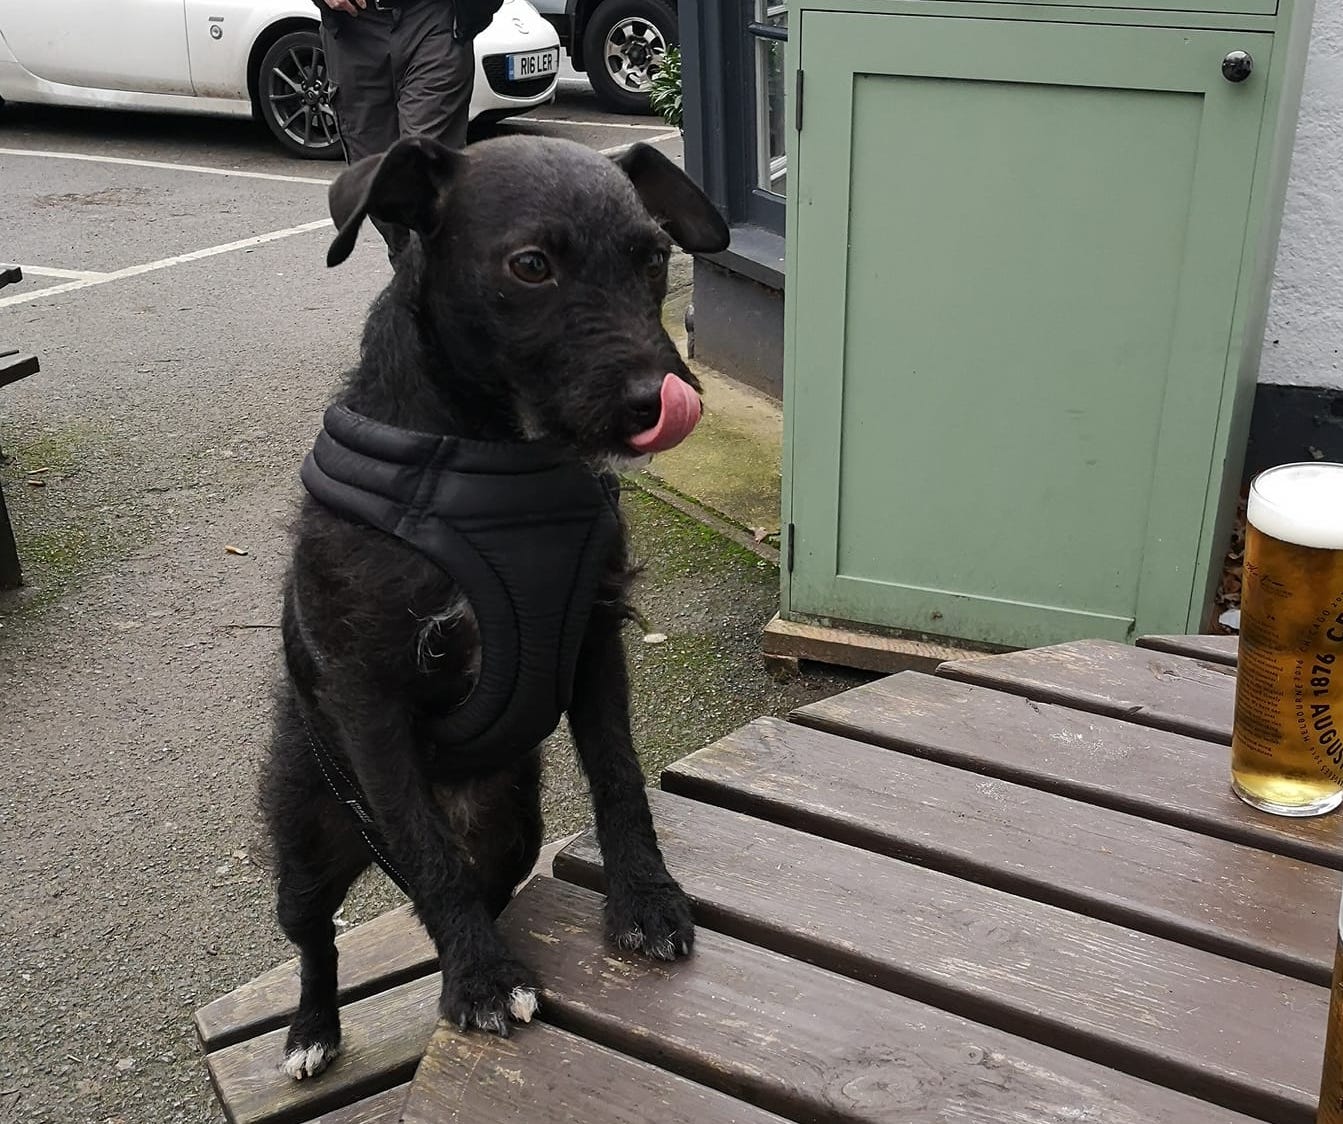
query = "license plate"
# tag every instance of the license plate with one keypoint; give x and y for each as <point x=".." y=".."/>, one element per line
<point x="534" y="64"/>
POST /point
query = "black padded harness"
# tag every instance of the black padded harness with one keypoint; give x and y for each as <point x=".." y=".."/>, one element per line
<point x="525" y="531"/>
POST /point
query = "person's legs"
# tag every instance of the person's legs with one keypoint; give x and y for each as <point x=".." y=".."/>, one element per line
<point x="434" y="74"/>
<point x="359" y="60"/>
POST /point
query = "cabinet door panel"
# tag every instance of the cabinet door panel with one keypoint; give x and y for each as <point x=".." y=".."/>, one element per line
<point x="1003" y="418"/>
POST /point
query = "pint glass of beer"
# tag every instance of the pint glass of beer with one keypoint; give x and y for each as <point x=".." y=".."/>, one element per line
<point x="1287" y="739"/>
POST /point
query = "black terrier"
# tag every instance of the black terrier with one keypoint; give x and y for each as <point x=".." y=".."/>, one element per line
<point x="460" y="570"/>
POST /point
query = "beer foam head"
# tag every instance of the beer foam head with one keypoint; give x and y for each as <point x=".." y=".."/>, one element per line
<point x="1300" y="503"/>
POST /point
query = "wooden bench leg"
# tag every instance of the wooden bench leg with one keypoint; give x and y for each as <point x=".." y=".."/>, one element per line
<point x="11" y="576"/>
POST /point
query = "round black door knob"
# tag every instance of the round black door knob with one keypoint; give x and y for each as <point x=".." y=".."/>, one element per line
<point x="1237" y="66"/>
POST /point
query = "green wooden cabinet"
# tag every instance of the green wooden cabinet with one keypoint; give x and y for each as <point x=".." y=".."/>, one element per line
<point x="1029" y="250"/>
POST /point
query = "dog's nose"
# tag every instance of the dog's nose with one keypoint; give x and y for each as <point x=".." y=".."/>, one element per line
<point x="644" y="405"/>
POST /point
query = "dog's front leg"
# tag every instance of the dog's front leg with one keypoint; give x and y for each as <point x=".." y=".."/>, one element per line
<point x="645" y="908"/>
<point x="484" y="986"/>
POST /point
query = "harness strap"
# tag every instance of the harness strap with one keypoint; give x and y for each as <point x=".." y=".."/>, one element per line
<point x="347" y="791"/>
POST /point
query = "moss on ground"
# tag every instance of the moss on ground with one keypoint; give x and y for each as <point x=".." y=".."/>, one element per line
<point x="60" y="536"/>
<point x="710" y="598"/>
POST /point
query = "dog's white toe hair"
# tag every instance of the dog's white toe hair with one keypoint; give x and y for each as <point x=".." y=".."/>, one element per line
<point x="309" y="1062"/>
<point x="522" y="1004"/>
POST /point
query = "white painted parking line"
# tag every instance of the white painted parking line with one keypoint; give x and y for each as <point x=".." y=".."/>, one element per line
<point x="618" y="148"/>
<point x="584" y="124"/>
<point x="162" y="165"/>
<point x="162" y="263"/>
<point x="63" y="274"/>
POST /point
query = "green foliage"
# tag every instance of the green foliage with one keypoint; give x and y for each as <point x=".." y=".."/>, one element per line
<point x="665" y="95"/>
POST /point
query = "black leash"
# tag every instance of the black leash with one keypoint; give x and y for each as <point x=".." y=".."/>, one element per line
<point x="346" y="790"/>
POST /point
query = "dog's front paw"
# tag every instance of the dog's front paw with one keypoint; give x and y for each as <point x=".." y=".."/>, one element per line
<point x="311" y="1046"/>
<point x="655" y="920"/>
<point x="491" y="997"/>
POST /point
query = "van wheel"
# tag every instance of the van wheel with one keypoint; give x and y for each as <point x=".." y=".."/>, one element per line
<point x="623" y="47"/>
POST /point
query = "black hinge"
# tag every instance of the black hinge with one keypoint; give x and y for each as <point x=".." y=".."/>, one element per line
<point x="797" y="103"/>
<point x="792" y="539"/>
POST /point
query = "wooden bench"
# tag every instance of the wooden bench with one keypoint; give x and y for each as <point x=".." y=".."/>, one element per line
<point x="1012" y="892"/>
<point x="13" y="366"/>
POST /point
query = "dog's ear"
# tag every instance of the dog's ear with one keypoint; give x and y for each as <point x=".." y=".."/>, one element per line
<point x="401" y="186"/>
<point x="675" y="200"/>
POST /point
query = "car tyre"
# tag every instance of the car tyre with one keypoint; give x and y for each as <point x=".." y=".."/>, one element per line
<point x="293" y="97"/>
<point x="623" y="45"/>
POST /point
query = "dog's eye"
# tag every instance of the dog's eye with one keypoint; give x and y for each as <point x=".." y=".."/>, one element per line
<point x="656" y="263"/>
<point x="530" y="266"/>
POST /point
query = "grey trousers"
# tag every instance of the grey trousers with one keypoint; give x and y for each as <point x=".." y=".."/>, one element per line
<point x="398" y="73"/>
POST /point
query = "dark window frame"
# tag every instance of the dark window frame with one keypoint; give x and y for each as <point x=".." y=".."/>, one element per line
<point x="718" y="47"/>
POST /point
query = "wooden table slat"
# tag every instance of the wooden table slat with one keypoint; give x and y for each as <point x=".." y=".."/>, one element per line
<point x="383" y="1038"/>
<point x="1240" y="902"/>
<point x="1217" y="649"/>
<point x="1147" y="688"/>
<point x="1103" y="761"/>
<point x="804" y="1042"/>
<point x="381" y="1108"/>
<point x="389" y="950"/>
<point x="1239" y="1036"/>
<point x="544" y="1074"/>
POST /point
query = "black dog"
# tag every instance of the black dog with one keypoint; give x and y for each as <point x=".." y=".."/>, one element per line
<point x="526" y="319"/>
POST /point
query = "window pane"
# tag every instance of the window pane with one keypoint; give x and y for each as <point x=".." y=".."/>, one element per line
<point x="771" y="158"/>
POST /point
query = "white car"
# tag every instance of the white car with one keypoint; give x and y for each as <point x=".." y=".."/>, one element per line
<point x="258" y="58"/>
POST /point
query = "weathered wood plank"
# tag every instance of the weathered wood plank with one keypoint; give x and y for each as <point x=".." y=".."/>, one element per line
<point x="1151" y="773"/>
<point x="1238" y="901"/>
<point x="11" y="572"/>
<point x="850" y="647"/>
<point x="543" y="1074"/>
<point x="381" y="1108"/>
<point x="383" y="1038"/>
<point x="1217" y="649"/>
<point x="15" y="366"/>
<point x="1193" y="697"/>
<point x="1239" y="1036"/>
<point x="374" y="956"/>
<point x="804" y="1042"/>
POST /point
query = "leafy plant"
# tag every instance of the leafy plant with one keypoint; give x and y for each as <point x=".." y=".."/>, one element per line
<point x="664" y="95"/>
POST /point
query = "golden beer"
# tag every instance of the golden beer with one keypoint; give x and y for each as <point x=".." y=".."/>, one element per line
<point x="1287" y="737"/>
<point x="1331" y="1083"/>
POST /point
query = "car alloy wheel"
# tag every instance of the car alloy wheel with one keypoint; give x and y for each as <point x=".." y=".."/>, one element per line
<point x="295" y="93"/>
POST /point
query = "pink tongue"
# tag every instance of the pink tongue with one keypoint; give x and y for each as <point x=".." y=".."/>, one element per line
<point x="680" y="412"/>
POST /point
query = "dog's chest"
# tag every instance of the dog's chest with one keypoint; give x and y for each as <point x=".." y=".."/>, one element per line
<point x="525" y="535"/>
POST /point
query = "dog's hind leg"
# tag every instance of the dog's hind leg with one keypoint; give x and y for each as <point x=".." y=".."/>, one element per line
<point x="318" y="855"/>
<point x="308" y="898"/>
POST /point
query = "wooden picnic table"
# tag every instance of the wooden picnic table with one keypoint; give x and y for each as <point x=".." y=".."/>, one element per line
<point x="1018" y="891"/>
